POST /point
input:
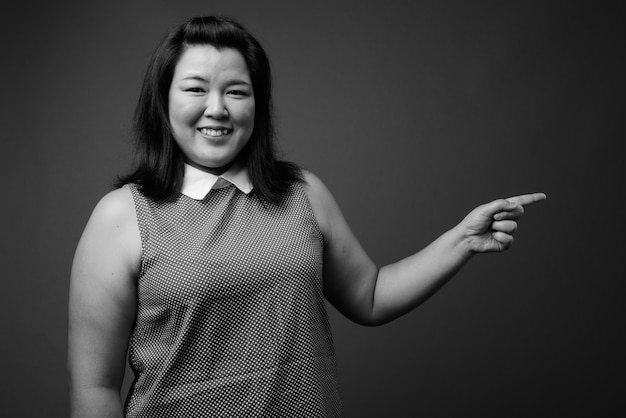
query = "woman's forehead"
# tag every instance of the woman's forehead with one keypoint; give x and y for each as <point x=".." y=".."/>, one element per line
<point x="209" y="62"/>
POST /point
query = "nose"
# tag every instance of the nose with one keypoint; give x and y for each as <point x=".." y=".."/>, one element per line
<point x="215" y="107"/>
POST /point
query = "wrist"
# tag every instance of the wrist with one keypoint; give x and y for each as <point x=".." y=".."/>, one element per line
<point x="462" y="241"/>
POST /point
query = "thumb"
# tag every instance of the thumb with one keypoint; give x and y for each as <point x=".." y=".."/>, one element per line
<point x="498" y="205"/>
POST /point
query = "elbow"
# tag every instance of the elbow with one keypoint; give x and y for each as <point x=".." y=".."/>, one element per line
<point x="376" y="320"/>
<point x="372" y="323"/>
<point x="365" y="317"/>
<point x="372" y="318"/>
<point x="366" y="322"/>
<point x="372" y="313"/>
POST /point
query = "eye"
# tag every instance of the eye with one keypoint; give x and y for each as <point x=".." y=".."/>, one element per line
<point x="237" y="93"/>
<point x="195" y="90"/>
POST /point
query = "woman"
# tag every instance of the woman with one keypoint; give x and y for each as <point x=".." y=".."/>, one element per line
<point x="211" y="261"/>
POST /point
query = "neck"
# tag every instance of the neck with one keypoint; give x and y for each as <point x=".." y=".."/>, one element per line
<point x="213" y="170"/>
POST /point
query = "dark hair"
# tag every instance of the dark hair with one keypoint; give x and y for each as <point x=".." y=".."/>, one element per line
<point x="159" y="163"/>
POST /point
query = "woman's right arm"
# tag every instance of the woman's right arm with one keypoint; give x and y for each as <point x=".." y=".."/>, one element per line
<point x="102" y="305"/>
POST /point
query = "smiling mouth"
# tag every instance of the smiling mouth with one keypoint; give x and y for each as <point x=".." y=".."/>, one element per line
<point x="214" y="133"/>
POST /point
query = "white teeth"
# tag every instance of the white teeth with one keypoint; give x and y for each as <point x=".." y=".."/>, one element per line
<point x="214" y="132"/>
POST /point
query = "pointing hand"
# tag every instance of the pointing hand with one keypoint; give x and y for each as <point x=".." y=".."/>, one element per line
<point x="490" y="227"/>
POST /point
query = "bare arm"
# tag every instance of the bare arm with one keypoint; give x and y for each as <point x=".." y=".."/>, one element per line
<point x="372" y="296"/>
<point x="102" y="306"/>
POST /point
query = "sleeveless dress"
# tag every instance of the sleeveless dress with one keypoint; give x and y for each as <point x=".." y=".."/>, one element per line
<point x="231" y="320"/>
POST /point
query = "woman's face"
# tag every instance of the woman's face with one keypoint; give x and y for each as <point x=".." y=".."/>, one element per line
<point x="211" y="106"/>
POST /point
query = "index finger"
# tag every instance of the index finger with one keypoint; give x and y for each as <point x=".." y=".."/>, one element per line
<point x="527" y="199"/>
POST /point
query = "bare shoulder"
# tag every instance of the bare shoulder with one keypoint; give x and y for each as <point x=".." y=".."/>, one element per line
<point x="313" y="186"/>
<point x="316" y="190"/>
<point x="116" y="207"/>
<point x="322" y="201"/>
<point x="112" y="228"/>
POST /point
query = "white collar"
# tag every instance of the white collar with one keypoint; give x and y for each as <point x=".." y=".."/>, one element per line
<point x="197" y="183"/>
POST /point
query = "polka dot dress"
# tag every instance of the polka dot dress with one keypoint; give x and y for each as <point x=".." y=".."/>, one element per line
<point x="231" y="320"/>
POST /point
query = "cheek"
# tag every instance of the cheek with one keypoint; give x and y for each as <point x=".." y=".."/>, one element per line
<point x="183" y="113"/>
<point x="245" y="116"/>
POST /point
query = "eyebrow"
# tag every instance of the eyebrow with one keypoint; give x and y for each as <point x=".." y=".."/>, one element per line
<point x="204" y="80"/>
<point x="195" y="77"/>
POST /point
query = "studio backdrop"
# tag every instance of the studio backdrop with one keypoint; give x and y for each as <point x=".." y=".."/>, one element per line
<point x="412" y="113"/>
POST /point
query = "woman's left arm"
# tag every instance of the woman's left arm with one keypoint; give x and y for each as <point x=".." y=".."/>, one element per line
<point x="372" y="296"/>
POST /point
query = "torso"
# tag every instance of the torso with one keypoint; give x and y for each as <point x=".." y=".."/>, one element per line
<point x="231" y="319"/>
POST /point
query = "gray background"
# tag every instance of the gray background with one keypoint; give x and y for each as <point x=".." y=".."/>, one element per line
<point x="413" y="113"/>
